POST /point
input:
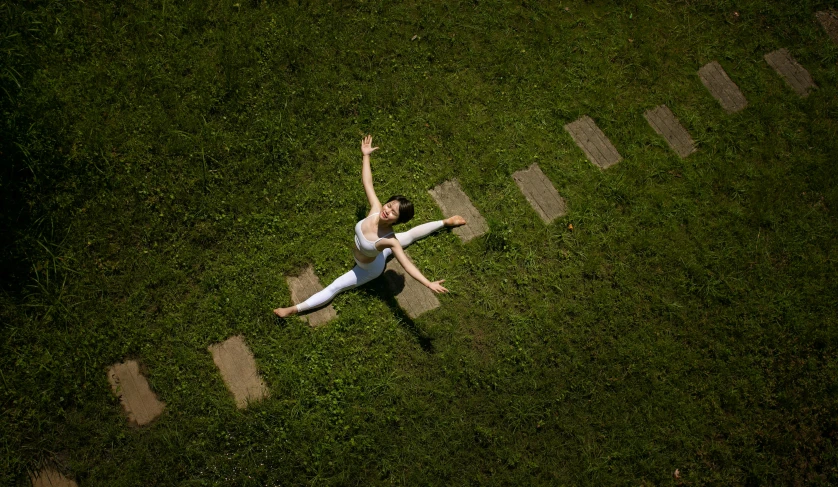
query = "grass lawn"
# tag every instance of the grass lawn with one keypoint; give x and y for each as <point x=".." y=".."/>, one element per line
<point x="166" y="164"/>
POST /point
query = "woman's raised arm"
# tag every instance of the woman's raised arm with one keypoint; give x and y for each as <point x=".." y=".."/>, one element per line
<point x="366" y="174"/>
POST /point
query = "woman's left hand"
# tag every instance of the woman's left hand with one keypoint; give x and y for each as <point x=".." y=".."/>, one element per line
<point x="366" y="146"/>
<point x="436" y="287"/>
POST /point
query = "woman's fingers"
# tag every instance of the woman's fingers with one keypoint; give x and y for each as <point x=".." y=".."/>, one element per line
<point x="367" y="143"/>
<point x="437" y="287"/>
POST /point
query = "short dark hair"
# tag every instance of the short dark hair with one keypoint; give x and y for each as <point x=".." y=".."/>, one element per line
<point x="405" y="208"/>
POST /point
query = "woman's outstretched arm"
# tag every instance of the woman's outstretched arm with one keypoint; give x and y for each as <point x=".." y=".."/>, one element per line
<point x="366" y="174"/>
<point x="411" y="269"/>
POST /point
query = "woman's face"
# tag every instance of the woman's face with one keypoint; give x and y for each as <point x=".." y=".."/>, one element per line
<point x="389" y="212"/>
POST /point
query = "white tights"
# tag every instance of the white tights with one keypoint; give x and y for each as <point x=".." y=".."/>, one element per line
<point x="362" y="274"/>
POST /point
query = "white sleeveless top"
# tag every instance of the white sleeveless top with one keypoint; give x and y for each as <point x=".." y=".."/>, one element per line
<point x="363" y="245"/>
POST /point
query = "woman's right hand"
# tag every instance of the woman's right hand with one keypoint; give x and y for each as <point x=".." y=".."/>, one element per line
<point x="436" y="287"/>
<point x="366" y="146"/>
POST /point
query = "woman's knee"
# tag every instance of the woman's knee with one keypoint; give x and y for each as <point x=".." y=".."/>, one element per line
<point x="338" y="287"/>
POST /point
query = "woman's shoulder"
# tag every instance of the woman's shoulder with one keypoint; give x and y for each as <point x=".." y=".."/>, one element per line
<point x="375" y="209"/>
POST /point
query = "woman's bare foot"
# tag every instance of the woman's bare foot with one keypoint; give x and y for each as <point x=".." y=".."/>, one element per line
<point x="285" y="312"/>
<point x="454" y="221"/>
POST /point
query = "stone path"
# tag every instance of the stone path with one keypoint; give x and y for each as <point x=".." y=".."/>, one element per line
<point x="795" y="75"/>
<point x="234" y="359"/>
<point x="451" y="199"/>
<point x="238" y="369"/>
<point x="541" y="193"/>
<point x="302" y="287"/>
<point x="667" y="126"/>
<point x="49" y="477"/>
<point x="141" y="405"/>
<point x="829" y="21"/>
<point x="412" y="296"/>
<point x="723" y="89"/>
<point x="596" y="146"/>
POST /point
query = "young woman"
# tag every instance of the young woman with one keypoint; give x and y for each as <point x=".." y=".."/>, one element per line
<point x="375" y="241"/>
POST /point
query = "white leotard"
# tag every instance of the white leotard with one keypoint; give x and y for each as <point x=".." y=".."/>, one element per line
<point x="363" y="245"/>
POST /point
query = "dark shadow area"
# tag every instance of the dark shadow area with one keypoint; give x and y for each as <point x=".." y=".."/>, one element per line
<point x="281" y="323"/>
<point x="15" y="215"/>
<point x="360" y="212"/>
<point x="385" y="288"/>
<point x="21" y="194"/>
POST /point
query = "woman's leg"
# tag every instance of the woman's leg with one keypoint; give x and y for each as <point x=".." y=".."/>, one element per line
<point x="354" y="278"/>
<point x="421" y="231"/>
<point x="347" y="281"/>
<point x="359" y="276"/>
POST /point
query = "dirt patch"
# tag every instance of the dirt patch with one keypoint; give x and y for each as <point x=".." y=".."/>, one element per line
<point x="238" y="370"/>
<point x="140" y="403"/>
<point x="540" y="193"/>
<point x="723" y="89"/>
<point x="480" y="342"/>
<point x="593" y="142"/>
<point x="451" y="199"/>
<point x="790" y="70"/>
<point x="829" y="21"/>
<point x="667" y="126"/>
<point x="51" y="478"/>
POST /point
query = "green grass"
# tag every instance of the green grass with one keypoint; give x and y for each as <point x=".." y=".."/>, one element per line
<point x="167" y="164"/>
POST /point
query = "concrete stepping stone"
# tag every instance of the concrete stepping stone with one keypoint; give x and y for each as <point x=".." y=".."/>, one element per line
<point x="411" y="295"/>
<point x="723" y="89"/>
<point x="541" y="193"/>
<point x="139" y="402"/>
<point x="829" y="21"/>
<point x="304" y="286"/>
<point x="451" y="199"/>
<point x="49" y="477"/>
<point x="795" y="75"/>
<point x="238" y="369"/>
<point x="596" y="146"/>
<point x="667" y="126"/>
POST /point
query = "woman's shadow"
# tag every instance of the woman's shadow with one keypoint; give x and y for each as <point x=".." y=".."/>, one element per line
<point x="386" y="287"/>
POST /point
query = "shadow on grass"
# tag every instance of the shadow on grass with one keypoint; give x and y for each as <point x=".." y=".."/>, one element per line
<point x="385" y="288"/>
